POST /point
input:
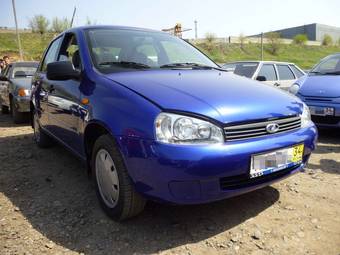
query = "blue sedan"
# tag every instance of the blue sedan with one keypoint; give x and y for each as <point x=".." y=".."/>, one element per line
<point x="320" y="90"/>
<point x="154" y="118"/>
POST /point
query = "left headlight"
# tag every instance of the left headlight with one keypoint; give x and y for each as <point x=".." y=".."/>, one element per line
<point x="181" y="129"/>
<point x="24" y="92"/>
<point x="305" y="117"/>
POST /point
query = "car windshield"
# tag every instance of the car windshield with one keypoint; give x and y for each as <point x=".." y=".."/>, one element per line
<point x="246" y="69"/>
<point x="23" y="71"/>
<point x="115" y="50"/>
<point x="330" y="65"/>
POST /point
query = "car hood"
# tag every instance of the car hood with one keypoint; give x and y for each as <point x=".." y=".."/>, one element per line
<point x="222" y="96"/>
<point x="320" y="86"/>
<point x="22" y="82"/>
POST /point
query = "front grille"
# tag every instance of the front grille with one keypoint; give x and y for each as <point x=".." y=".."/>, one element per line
<point x="251" y="130"/>
<point x="330" y="120"/>
<point x="244" y="181"/>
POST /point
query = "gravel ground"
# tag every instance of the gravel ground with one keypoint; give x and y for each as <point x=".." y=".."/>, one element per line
<point x="48" y="206"/>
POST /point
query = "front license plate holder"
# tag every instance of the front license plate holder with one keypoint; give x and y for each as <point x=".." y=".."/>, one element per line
<point x="270" y="162"/>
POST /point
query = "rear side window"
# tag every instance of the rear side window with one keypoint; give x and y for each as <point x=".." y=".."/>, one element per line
<point x="297" y="72"/>
<point x="51" y="54"/>
<point x="285" y="73"/>
<point x="245" y="69"/>
<point x="268" y="71"/>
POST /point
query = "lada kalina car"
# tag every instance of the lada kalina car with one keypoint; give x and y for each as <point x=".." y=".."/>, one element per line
<point x="156" y="119"/>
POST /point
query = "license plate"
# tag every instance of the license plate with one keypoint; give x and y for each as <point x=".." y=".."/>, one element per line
<point x="267" y="163"/>
<point x="321" y="111"/>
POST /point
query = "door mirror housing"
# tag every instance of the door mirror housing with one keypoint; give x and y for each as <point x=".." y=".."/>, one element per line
<point x="261" y="78"/>
<point x="61" y="71"/>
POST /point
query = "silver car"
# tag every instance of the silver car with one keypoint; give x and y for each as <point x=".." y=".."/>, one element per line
<point x="15" y="89"/>
<point x="279" y="74"/>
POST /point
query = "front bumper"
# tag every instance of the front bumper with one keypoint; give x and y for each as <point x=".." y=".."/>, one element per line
<point x="325" y="121"/>
<point x="189" y="174"/>
<point x="22" y="104"/>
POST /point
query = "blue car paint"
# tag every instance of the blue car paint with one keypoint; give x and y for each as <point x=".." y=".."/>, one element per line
<point x="126" y="105"/>
<point x="321" y="91"/>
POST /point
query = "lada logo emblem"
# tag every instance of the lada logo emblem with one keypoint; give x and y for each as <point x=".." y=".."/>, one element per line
<point x="272" y="128"/>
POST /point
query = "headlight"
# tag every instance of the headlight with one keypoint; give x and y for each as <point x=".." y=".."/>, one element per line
<point x="174" y="128"/>
<point x="294" y="89"/>
<point x="24" y="92"/>
<point x="305" y="117"/>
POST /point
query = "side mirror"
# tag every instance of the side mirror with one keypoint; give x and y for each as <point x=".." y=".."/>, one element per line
<point x="261" y="78"/>
<point x="3" y="78"/>
<point x="61" y="71"/>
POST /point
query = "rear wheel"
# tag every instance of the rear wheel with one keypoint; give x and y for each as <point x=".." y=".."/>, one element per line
<point x="41" y="138"/>
<point x="114" y="188"/>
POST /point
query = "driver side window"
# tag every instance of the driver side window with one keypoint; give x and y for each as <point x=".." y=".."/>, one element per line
<point x="70" y="51"/>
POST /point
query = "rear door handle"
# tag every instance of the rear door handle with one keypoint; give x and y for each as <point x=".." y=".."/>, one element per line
<point x="276" y="84"/>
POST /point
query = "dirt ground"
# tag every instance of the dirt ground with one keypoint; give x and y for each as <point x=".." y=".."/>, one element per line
<point x="48" y="206"/>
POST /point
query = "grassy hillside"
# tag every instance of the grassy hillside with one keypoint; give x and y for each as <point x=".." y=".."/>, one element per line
<point x="304" y="56"/>
<point x="32" y="44"/>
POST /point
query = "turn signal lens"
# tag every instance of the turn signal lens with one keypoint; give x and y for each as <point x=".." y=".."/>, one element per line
<point x="23" y="92"/>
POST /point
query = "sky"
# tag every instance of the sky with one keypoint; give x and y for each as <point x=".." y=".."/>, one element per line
<point x="221" y="17"/>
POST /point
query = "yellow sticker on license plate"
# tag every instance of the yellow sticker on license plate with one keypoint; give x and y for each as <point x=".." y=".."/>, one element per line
<point x="297" y="153"/>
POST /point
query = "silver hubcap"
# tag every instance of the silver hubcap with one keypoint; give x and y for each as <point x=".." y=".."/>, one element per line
<point x="107" y="178"/>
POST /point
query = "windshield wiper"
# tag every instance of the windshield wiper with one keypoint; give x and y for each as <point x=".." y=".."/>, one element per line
<point x="192" y="66"/>
<point x="125" y="64"/>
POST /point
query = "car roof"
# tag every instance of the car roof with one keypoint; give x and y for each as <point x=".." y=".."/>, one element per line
<point x="260" y="61"/>
<point x="111" y="27"/>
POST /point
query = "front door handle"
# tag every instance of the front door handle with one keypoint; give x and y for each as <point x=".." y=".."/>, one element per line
<point x="276" y="84"/>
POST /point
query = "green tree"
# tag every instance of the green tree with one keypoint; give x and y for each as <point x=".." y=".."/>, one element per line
<point x="60" y="25"/>
<point x="273" y="42"/>
<point x="300" y="39"/>
<point x="39" y="24"/>
<point x="327" y="40"/>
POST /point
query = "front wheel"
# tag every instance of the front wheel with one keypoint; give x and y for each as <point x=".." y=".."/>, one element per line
<point x="18" y="117"/>
<point x="114" y="188"/>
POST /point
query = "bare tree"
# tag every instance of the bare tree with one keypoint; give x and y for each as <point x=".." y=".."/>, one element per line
<point x="59" y="25"/>
<point x="39" y="24"/>
<point x="210" y="37"/>
<point x="274" y="42"/>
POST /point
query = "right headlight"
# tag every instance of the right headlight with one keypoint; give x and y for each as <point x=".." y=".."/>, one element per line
<point x="305" y="117"/>
<point x="294" y="89"/>
<point x="181" y="129"/>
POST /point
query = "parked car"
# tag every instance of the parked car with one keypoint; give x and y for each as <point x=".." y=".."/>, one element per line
<point x="278" y="74"/>
<point x="320" y="90"/>
<point x="15" y="89"/>
<point x="154" y="118"/>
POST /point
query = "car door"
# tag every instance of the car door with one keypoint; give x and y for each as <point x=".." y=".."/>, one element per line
<point x="42" y="85"/>
<point x="4" y="86"/>
<point x="286" y="76"/>
<point x="64" y="98"/>
<point x="269" y="75"/>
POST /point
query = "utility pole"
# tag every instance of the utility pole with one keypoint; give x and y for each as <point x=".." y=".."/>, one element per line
<point x="17" y="31"/>
<point x="195" y="29"/>
<point x="262" y="46"/>
<point x="74" y="13"/>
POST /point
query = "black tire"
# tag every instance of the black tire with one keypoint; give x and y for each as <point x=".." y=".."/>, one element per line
<point x="18" y="117"/>
<point x="4" y="109"/>
<point x="42" y="139"/>
<point x="130" y="203"/>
